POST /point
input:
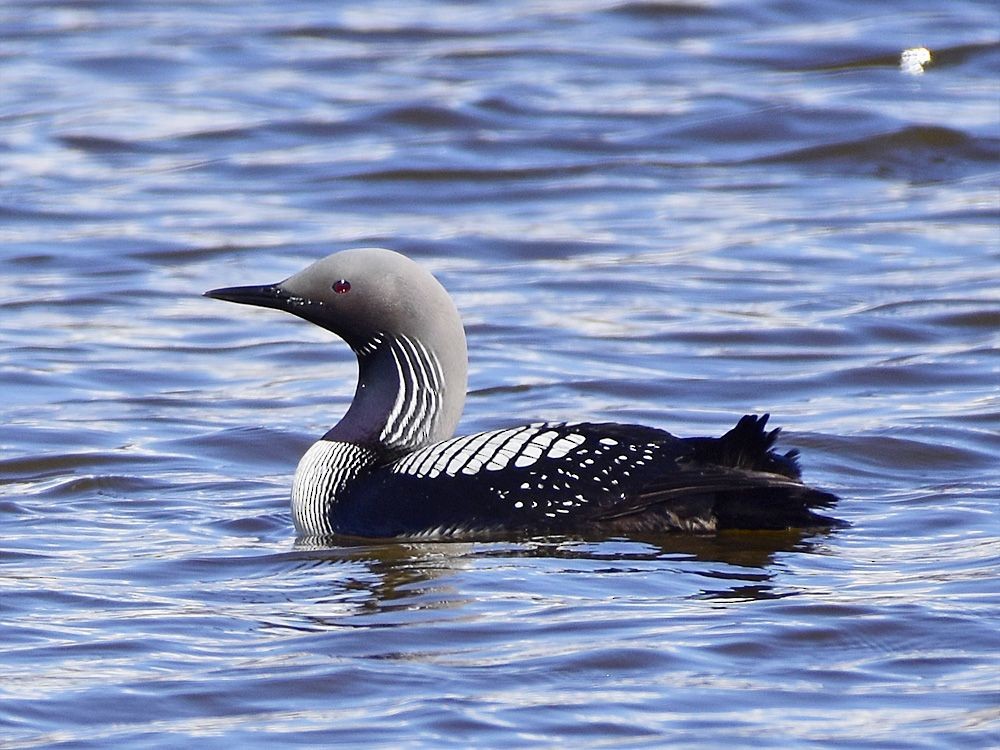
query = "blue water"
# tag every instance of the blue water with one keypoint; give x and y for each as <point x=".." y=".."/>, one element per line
<point x="669" y="213"/>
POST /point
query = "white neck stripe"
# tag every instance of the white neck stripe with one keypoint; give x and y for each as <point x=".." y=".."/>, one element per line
<point x="420" y="395"/>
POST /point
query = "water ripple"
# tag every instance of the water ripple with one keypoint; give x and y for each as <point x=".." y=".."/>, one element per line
<point x="670" y="213"/>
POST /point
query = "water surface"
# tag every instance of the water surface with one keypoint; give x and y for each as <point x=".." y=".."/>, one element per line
<point x="670" y="213"/>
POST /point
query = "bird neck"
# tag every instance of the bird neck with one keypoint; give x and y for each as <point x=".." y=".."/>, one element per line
<point x="408" y="395"/>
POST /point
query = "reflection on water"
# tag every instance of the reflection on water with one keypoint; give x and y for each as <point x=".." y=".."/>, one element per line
<point x="736" y="562"/>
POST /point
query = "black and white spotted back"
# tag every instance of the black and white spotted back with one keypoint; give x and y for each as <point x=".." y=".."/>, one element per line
<point x="555" y="478"/>
<point x="534" y="476"/>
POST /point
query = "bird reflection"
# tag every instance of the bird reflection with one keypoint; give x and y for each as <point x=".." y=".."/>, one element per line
<point x="398" y="583"/>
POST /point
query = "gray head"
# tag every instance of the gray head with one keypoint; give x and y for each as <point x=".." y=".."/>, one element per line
<point x="404" y="328"/>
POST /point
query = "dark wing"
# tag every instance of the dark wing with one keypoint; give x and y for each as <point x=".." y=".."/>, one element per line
<point x="578" y="478"/>
<point x="734" y="482"/>
<point x="541" y="478"/>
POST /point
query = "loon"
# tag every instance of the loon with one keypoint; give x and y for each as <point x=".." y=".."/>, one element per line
<point x="391" y="468"/>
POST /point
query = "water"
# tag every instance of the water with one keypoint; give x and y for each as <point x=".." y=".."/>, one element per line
<point x="654" y="212"/>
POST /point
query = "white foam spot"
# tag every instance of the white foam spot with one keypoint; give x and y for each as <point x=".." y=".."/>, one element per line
<point x="913" y="60"/>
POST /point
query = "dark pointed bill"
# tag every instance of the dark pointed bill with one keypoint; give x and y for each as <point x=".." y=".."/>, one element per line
<point x="269" y="295"/>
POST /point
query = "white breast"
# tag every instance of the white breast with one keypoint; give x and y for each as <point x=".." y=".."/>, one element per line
<point x="324" y="470"/>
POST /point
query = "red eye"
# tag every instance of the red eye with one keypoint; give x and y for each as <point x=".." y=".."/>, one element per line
<point x="342" y="287"/>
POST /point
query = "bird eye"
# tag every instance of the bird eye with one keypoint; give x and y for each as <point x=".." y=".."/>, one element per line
<point x="343" y="286"/>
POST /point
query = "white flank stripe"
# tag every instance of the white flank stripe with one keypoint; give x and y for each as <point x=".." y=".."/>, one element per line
<point x="467" y="460"/>
<point x="509" y="450"/>
<point x="494" y="450"/>
<point x="405" y="464"/>
<point x="439" y="455"/>
<point x="427" y="457"/>
<point x="491" y="451"/>
<point x="534" y="450"/>
<point x="564" y="445"/>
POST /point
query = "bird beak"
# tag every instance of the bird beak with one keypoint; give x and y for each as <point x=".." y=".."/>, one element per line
<point x="269" y="295"/>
